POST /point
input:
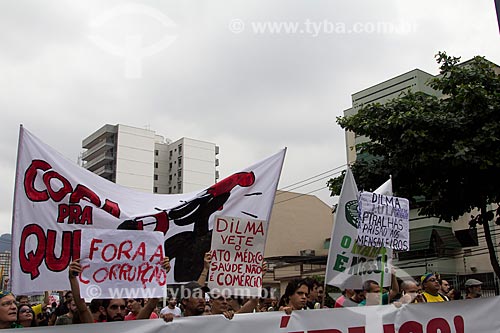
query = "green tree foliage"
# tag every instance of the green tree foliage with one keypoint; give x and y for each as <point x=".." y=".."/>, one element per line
<point x="443" y="153"/>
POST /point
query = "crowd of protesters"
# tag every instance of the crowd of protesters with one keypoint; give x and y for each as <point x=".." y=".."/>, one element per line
<point x="197" y="300"/>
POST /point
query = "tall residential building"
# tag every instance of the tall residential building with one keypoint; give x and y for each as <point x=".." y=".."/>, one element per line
<point x="143" y="160"/>
<point x="452" y="249"/>
<point x="415" y="80"/>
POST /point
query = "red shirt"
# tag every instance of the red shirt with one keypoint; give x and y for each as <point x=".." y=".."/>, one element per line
<point x="132" y="316"/>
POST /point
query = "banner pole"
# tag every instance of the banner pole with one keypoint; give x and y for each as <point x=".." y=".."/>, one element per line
<point x="383" y="252"/>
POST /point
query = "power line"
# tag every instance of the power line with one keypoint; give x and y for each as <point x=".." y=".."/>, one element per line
<point x="307" y="179"/>
<point x="299" y="195"/>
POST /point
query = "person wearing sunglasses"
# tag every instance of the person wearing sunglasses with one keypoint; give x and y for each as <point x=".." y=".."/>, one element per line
<point x="431" y="287"/>
<point x="26" y="316"/>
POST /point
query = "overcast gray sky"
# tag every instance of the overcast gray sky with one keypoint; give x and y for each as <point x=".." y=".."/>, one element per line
<point x="220" y="71"/>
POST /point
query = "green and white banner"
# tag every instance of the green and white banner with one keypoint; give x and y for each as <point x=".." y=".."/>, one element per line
<point x="349" y="263"/>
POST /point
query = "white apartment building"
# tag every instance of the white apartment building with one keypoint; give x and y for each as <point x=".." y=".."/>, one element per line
<point x="143" y="160"/>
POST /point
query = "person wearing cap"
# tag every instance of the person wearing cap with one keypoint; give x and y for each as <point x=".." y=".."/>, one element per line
<point x="431" y="287"/>
<point x="473" y="288"/>
<point x="8" y="310"/>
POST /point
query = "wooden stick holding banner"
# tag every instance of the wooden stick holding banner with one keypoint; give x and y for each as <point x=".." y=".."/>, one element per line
<point x="237" y="256"/>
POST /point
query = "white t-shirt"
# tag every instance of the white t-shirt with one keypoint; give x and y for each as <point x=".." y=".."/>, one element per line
<point x="175" y="311"/>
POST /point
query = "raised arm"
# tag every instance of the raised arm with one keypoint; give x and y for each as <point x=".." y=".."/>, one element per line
<point x="75" y="269"/>
<point x="252" y="303"/>
<point x="151" y="304"/>
<point x="206" y="269"/>
<point x="394" y="292"/>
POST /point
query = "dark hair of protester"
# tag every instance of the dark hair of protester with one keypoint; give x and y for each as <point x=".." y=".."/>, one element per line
<point x="367" y="285"/>
<point x="311" y="282"/>
<point x="457" y="295"/>
<point x="291" y="288"/>
<point x="94" y="308"/>
<point x="140" y="300"/>
<point x="22" y="311"/>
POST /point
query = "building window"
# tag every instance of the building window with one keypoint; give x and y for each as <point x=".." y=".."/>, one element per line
<point x="180" y="149"/>
<point x="170" y="154"/>
<point x="180" y="161"/>
<point x="156" y="165"/>
<point x="179" y="185"/>
<point x="170" y="166"/>
<point x="179" y="172"/>
<point x="156" y="152"/>
<point x="169" y="177"/>
<point x="155" y="189"/>
<point x="170" y="190"/>
<point x="156" y="177"/>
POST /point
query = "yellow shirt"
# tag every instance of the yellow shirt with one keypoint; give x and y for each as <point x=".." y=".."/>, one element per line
<point x="431" y="298"/>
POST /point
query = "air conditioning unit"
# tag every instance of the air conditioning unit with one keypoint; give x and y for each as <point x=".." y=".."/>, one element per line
<point x="307" y="252"/>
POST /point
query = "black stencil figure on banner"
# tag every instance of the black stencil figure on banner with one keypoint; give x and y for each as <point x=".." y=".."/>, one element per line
<point x="189" y="247"/>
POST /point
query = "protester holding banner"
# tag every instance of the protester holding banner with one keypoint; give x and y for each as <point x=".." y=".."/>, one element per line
<point x="84" y="314"/>
<point x="295" y="297"/>
<point x="110" y="309"/>
<point x="202" y="279"/>
<point x="219" y="304"/>
<point x="114" y="309"/>
<point x="94" y="307"/>
<point x="135" y="306"/>
<point x="72" y="317"/>
<point x="193" y="299"/>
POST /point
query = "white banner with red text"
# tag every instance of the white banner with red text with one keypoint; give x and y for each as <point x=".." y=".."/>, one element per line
<point x="55" y="199"/>
<point x="237" y="254"/>
<point x="122" y="264"/>
<point x="466" y="316"/>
